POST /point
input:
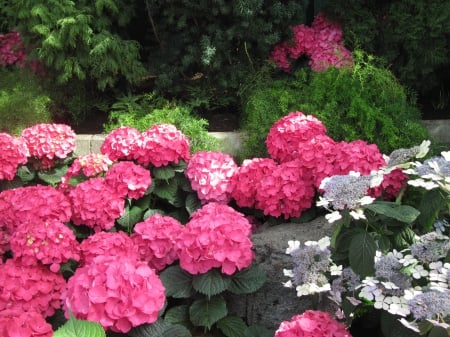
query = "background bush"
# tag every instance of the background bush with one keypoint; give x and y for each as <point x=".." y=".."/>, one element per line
<point x="365" y="102"/>
<point x="23" y="101"/>
<point x="141" y="112"/>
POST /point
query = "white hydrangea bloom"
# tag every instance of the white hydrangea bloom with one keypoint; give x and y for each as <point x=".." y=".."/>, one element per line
<point x="333" y="216"/>
<point x="292" y="245"/>
<point x="408" y="260"/>
<point x="418" y="271"/>
<point x="357" y="214"/>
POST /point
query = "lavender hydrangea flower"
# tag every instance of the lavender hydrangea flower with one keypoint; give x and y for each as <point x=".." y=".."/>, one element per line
<point x="430" y="304"/>
<point x="431" y="247"/>
<point x="388" y="268"/>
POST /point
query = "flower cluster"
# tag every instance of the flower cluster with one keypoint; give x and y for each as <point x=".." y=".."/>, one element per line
<point x="217" y="236"/>
<point x="37" y="203"/>
<point x="85" y="199"/>
<point x="312" y="323"/>
<point x="322" y="43"/>
<point x="30" y="288"/>
<point x="119" y="293"/>
<point x="119" y="143"/>
<point x="90" y="165"/>
<point x="47" y="142"/>
<point x="432" y="173"/>
<point x="50" y="242"/>
<point x="128" y="179"/>
<point x="116" y="244"/>
<point x="15" y="322"/>
<point x="210" y="174"/>
<point x="12" y="49"/>
<point x="13" y="153"/>
<point x="156" y="240"/>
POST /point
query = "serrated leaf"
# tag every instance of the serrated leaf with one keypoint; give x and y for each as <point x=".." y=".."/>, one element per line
<point x="178" y="315"/>
<point x="25" y="174"/>
<point x="192" y="202"/>
<point x="166" y="191"/>
<point x="178" y="283"/>
<point x="258" y="331"/>
<point x="247" y="280"/>
<point x="148" y="213"/>
<point x="430" y="206"/>
<point x="361" y="254"/>
<point x="131" y="217"/>
<point x="232" y="326"/>
<point x="163" y="173"/>
<point x="205" y="312"/>
<point x="52" y="177"/>
<point x="402" y="213"/>
<point x="211" y="283"/>
<point x="79" y="328"/>
<point x="160" y="328"/>
<point x="404" y="238"/>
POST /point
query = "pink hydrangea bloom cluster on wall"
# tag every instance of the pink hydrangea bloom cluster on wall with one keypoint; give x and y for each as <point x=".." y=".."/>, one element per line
<point x="322" y="43"/>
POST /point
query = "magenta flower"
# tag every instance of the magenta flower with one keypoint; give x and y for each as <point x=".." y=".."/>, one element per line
<point x="312" y="324"/>
<point x="50" y="242"/>
<point x="47" y="142"/>
<point x="288" y="190"/>
<point x="17" y="323"/>
<point x="161" y="145"/>
<point x="119" y="144"/>
<point x="128" y="179"/>
<point x="13" y="153"/>
<point x="390" y="186"/>
<point x="288" y="132"/>
<point x="116" y="244"/>
<point x="118" y="293"/>
<point x="96" y="204"/>
<point x="30" y="288"/>
<point x="31" y="204"/>
<point x="156" y="240"/>
<point x="4" y="242"/>
<point x="209" y="173"/>
<point x="12" y="49"/>
<point x="246" y="178"/>
<point x="217" y="236"/>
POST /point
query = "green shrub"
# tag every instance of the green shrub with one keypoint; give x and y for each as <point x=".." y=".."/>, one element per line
<point x="365" y="102"/>
<point x="141" y="112"/>
<point x="23" y="102"/>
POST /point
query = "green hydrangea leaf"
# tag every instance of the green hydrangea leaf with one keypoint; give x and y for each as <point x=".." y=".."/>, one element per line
<point x="163" y="173"/>
<point x="247" y="280"/>
<point x="132" y="216"/>
<point x="25" y="174"/>
<point x="361" y="254"/>
<point x="258" y="331"/>
<point x="178" y="283"/>
<point x="206" y="312"/>
<point x="210" y="283"/>
<point x="402" y="213"/>
<point x="192" y="203"/>
<point x="160" y="328"/>
<point x="79" y="328"/>
<point x="166" y="190"/>
<point x="178" y="315"/>
<point x="232" y="326"/>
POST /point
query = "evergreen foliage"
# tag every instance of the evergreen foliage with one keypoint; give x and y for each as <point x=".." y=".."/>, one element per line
<point x="412" y="36"/>
<point x="365" y="102"/>
<point x="80" y="39"/>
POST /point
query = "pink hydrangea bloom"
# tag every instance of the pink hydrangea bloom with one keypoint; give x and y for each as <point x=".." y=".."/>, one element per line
<point x="129" y="179"/>
<point x="16" y="323"/>
<point x="161" y="145"/>
<point x="210" y="173"/>
<point x="288" y="190"/>
<point x="285" y="135"/>
<point x="246" y="178"/>
<point x="312" y="324"/>
<point x="217" y="236"/>
<point x="50" y="242"/>
<point x="279" y="55"/>
<point x="118" y="293"/>
<point x="33" y="203"/>
<point x="358" y="156"/>
<point x="30" y="288"/>
<point x="49" y="141"/>
<point x="119" y="144"/>
<point x="13" y="153"/>
<point x="4" y="242"/>
<point x="156" y="239"/>
<point x="96" y="204"/>
<point x="116" y="244"/>
<point x="390" y="186"/>
<point x="12" y="49"/>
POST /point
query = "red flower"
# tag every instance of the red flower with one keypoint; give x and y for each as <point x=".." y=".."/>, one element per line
<point x="161" y="145"/>
<point x="30" y="288"/>
<point x="116" y="244"/>
<point x="96" y="204"/>
<point x="156" y="239"/>
<point x="312" y="324"/>
<point x="288" y="132"/>
<point x="13" y="153"/>
<point x="16" y="323"/>
<point x="128" y="179"/>
<point x="217" y="236"/>
<point x="210" y="174"/>
<point x="118" y="293"/>
<point x="119" y="144"/>
<point x="50" y="242"/>
<point x="49" y="141"/>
